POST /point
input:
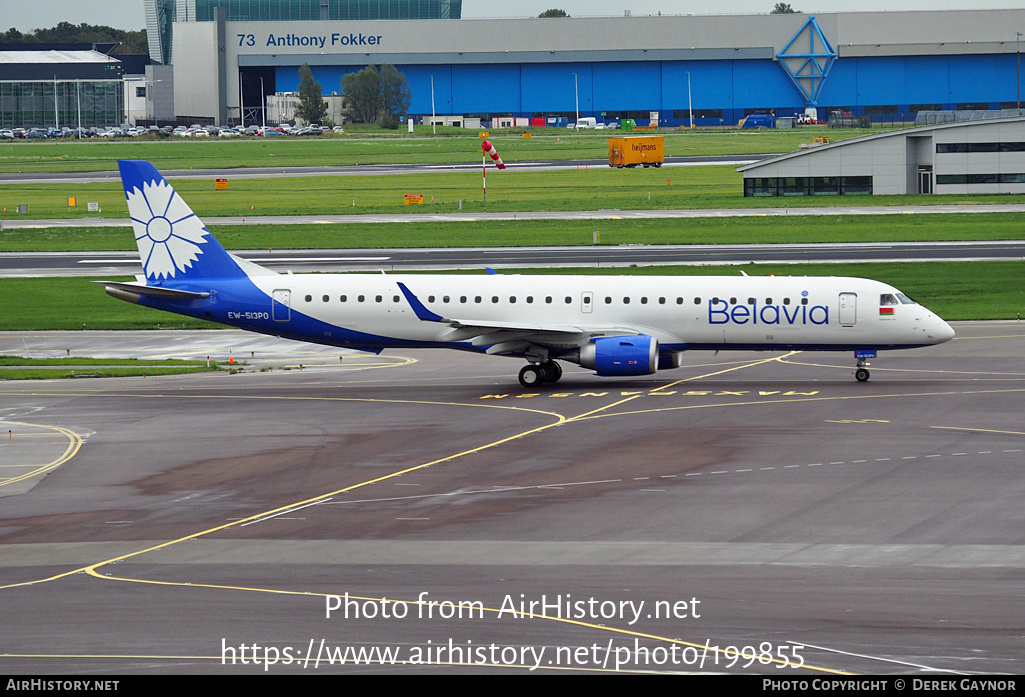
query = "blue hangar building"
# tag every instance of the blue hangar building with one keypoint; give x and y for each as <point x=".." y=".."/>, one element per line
<point x="887" y="65"/>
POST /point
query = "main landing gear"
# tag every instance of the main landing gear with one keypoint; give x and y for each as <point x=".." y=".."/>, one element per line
<point x="534" y="374"/>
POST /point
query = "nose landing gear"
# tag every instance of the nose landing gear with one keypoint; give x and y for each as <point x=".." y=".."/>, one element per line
<point x="861" y="371"/>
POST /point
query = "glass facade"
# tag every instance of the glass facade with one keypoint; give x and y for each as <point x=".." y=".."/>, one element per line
<point x="808" y="186"/>
<point x="31" y="104"/>
<point x="310" y="10"/>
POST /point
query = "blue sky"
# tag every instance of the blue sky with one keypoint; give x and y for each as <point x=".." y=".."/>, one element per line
<point x="128" y="14"/>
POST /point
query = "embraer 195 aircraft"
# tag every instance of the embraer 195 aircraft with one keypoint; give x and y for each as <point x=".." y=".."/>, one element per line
<point x="615" y="326"/>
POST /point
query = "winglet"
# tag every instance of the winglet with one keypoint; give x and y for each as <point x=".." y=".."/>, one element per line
<point x="491" y="271"/>
<point x="422" y="313"/>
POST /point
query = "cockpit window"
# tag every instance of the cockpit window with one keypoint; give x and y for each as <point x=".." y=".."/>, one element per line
<point x="887" y="299"/>
<point x="905" y="300"/>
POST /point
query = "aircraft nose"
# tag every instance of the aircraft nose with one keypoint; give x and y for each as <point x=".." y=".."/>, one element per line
<point x="941" y="331"/>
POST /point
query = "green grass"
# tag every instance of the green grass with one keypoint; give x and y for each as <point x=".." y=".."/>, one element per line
<point x="564" y="190"/>
<point x="18" y="368"/>
<point x="76" y="304"/>
<point x="954" y="290"/>
<point x="521" y="233"/>
<point x="376" y="147"/>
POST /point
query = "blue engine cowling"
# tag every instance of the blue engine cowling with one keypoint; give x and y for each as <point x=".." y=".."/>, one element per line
<point x="621" y="355"/>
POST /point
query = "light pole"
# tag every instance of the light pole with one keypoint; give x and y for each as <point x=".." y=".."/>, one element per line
<point x="1017" y="51"/>
<point x="690" y="104"/>
<point x="576" y="95"/>
<point x="151" y="104"/>
<point x="434" y="124"/>
<point x="263" y="105"/>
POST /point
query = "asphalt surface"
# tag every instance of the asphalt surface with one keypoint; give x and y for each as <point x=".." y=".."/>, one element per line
<point x="605" y="214"/>
<point x="329" y="260"/>
<point x="159" y="525"/>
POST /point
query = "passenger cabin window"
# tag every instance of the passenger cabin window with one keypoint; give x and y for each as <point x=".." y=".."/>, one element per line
<point x="462" y="298"/>
<point x="697" y="301"/>
<point x="548" y="299"/>
<point x="478" y="299"/>
<point x="309" y="298"/>
<point x="608" y="300"/>
<point x="804" y="301"/>
<point x="494" y="298"/>
<point x="569" y="300"/>
<point x="379" y="298"/>
<point x="361" y="298"/>
<point x="343" y="298"/>
<point x="326" y="298"/>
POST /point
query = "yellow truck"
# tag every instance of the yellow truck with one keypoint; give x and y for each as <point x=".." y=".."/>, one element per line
<point x="646" y="151"/>
<point x="816" y="142"/>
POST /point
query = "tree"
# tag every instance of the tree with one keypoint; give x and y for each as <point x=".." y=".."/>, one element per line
<point x="362" y="93"/>
<point x="374" y="96"/>
<point x="310" y="107"/>
<point x="783" y="8"/>
<point x="553" y="13"/>
<point x="395" y="95"/>
<point x="65" y="32"/>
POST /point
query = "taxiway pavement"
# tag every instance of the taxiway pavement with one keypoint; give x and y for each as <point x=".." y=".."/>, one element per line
<point x="745" y="500"/>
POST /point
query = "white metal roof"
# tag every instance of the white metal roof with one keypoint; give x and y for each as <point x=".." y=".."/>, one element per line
<point x="55" y="57"/>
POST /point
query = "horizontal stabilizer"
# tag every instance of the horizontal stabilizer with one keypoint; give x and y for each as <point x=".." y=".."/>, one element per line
<point x="133" y="291"/>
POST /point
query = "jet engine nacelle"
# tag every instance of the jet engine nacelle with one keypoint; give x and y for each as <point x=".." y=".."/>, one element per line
<point x="621" y="355"/>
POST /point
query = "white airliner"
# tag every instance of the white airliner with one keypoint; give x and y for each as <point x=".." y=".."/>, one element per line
<point x="616" y="326"/>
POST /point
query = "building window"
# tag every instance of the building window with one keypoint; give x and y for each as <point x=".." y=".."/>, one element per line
<point x="825" y="186"/>
<point x="979" y="147"/>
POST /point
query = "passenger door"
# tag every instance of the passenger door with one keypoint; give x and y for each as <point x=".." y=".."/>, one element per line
<point x="281" y="301"/>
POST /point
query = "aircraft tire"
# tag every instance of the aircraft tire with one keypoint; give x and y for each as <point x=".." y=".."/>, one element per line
<point x="550" y="371"/>
<point x="531" y="376"/>
<point x="861" y="375"/>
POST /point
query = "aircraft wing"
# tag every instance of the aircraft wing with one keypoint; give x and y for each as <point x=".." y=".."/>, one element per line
<point x="513" y="337"/>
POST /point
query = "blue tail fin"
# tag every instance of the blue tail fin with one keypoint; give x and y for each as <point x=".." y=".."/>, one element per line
<point x="173" y="243"/>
